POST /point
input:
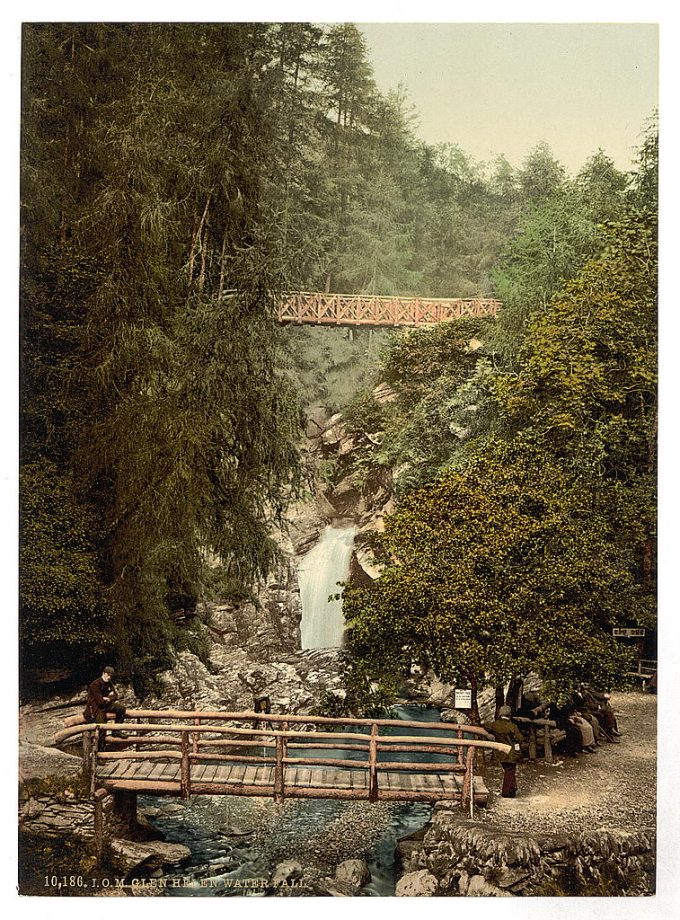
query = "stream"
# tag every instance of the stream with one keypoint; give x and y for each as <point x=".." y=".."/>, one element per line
<point x="237" y="842"/>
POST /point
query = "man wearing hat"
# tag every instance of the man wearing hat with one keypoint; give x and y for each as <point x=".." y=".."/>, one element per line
<point x="101" y="699"/>
<point x="505" y="731"/>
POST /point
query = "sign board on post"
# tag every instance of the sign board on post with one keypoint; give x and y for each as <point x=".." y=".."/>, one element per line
<point x="633" y="633"/>
<point x="462" y="699"/>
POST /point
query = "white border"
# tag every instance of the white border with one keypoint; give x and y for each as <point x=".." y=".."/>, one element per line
<point x="667" y="902"/>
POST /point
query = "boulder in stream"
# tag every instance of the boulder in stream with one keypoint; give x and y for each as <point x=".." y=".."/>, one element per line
<point x="131" y="856"/>
<point x="420" y="884"/>
<point x="286" y="871"/>
<point x="353" y="873"/>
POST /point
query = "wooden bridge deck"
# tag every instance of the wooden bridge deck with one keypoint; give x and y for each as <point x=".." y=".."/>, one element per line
<point x="300" y="782"/>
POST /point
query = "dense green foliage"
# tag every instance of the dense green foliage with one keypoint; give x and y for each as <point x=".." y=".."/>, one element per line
<point x="558" y="234"/>
<point x="144" y="380"/>
<point x="530" y="538"/>
<point x="62" y="598"/>
<point x="495" y="570"/>
<point x="330" y="365"/>
<point x="433" y="374"/>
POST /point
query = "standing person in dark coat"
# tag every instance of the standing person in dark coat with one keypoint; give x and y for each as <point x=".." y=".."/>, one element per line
<point x="505" y="731"/>
<point x="102" y="698"/>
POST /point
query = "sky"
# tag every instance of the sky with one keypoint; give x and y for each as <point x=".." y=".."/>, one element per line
<point x="501" y="88"/>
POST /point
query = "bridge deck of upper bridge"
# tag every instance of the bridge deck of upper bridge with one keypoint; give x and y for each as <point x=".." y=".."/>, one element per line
<point x="320" y="308"/>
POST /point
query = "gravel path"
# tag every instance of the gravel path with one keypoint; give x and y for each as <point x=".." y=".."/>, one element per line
<point x="613" y="789"/>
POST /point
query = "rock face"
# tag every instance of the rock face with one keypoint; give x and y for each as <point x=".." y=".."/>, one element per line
<point x="384" y="393"/>
<point x="254" y="646"/>
<point x="345" y="497"/>
<point x="317" y="419"/>
<point x="334" y="431"/>
<point x="295" y="682"/>
<point x="478" y="887"/>
<point x="38" y="762"/>
<point x="476" y="860"/>
<point x="46" y="816"/>
<point x="40" y="720"/>
<point x="362" y="501"/>
<point x="72" y="813"/>
<point x="267" y="629"/>
<point x="350" y="877"/>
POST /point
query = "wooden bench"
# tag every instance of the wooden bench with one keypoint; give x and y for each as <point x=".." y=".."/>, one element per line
<point x="643" y="678"/>
<point x="549" y="736"/>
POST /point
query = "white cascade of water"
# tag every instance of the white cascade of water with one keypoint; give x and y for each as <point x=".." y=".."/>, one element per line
<point x="322" y="568"/>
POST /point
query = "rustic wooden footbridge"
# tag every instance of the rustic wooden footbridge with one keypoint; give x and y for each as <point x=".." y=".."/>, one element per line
<point x="325" y="309"/>
<point x="171" y="752"/>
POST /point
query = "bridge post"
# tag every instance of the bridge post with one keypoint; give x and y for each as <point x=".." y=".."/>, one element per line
<point x="94" y="750"/>
<point x="279" y="766"/>
<point x="98" y="826"/>
<point x="459" y="735"/>
<point x="87" y="756"/>
<point x="468" y="793"/>
<point x="373" y="765"/>
<point x="185" y="780"/>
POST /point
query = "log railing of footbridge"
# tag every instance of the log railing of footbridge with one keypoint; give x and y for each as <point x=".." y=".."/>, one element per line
<point x="317" y="308"/>
<point x="254" y="754"/>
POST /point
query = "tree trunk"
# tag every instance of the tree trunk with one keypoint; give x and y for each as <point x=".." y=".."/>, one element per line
<point x="500" y="698"/>
<point x="474" y="710"/>
<point x="513" y="697"/>
<point x="647" y="562"/>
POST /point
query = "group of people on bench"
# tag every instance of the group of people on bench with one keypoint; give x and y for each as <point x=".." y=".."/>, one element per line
<point x="591" y="714"/>
<point x="587" y="721"/>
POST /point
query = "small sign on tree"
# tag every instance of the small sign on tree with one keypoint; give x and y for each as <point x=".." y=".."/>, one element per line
<point x="462" y="699"/>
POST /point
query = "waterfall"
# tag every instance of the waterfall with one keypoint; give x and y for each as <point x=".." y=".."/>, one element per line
<point x="320" y="571"/>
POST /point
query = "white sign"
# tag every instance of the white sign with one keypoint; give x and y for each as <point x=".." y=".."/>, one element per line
<point x="628" y="633"/>
<point x="462" y="699"/>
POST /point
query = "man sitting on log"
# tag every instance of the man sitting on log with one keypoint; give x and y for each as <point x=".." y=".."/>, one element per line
<point x="101" y="699"/>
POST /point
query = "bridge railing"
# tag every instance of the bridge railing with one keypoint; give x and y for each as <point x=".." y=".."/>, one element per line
<point x="282" y="743"/>
<point x="321" y="308"/>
